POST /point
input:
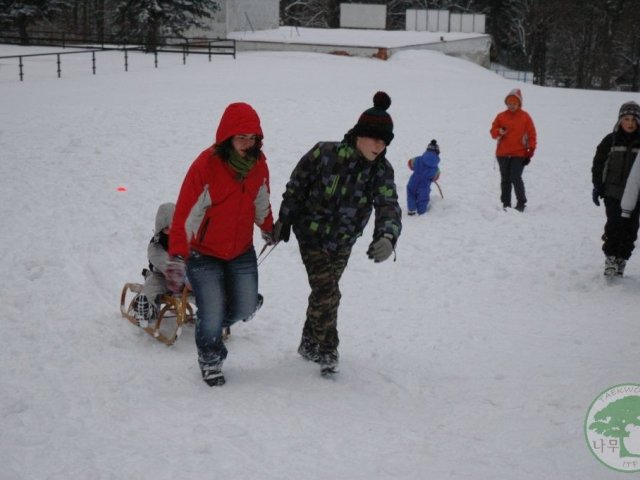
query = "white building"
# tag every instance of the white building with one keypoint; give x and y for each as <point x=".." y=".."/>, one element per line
<point x="241" y="16"/>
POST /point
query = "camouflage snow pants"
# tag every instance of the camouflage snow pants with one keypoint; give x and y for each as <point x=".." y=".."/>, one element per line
<point x="324" y="270"/>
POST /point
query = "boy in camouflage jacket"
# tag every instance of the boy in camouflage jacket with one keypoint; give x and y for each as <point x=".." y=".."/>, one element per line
<point x="328" y="202"/>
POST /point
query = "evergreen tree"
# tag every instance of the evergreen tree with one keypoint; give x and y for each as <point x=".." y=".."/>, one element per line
<point x="20" y="15"/>
<point x="149" y="20"/>
<point x="87" y="19"/>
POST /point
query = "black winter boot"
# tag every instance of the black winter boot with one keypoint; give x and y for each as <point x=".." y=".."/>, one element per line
<point x="621" y="263"/>
<point x="309" y="350"/>
<point x="328" y="363"/>
<point x="212" y="375"/>
<point x="610" y="266"/>
<point x="144" y="311"/>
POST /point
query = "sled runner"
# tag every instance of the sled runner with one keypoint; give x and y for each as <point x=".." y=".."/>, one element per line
<point x="174" y="312"/>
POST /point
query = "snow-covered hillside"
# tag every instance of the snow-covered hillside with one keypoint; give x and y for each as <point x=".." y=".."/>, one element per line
<point x="474" y="356"/>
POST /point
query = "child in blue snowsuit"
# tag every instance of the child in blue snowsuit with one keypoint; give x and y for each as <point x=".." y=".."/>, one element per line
<point x="425" y="170"/>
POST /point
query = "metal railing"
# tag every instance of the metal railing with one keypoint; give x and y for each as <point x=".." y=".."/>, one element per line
<point x="58" y="61"/>
<point x="519" y="75"/>
<point x="184" y="46"/>
<point x="222" y="46"/>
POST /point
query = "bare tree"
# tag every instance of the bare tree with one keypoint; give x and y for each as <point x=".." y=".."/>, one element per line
<point x="310" y="13"/>
<point x="629" y="50"/>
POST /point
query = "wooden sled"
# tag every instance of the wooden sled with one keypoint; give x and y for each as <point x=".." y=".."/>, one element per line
<point x="175" y="309"/>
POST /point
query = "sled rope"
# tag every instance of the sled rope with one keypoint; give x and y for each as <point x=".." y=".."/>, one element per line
<point x="262" y="256"/>
<point x="439" y="189"/>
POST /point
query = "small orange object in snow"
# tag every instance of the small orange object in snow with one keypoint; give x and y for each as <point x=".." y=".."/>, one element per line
<point x="122" y="189"/>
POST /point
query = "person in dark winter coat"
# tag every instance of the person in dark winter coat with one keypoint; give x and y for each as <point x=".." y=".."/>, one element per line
<point x="155" y="285"/>
<point x="614" y="158"/>
<point x="516" y="143"/>
<point x="224" y="194"/>
<point x="425" y="170"/>
<point x="328" y="202"/>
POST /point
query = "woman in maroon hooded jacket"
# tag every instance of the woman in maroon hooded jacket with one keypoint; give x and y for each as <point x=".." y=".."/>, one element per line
<point x="225" y="192"/>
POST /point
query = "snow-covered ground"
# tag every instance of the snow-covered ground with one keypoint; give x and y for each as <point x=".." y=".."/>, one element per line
<point x="475" y="355"/>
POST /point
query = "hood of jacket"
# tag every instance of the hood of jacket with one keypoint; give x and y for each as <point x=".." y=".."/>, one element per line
<point x="238" y="118"/>
<point x="164" y="215"/>
<point x="431" y="158"/>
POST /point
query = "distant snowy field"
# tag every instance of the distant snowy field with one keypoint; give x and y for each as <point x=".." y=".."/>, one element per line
<point x="474" y="356"/>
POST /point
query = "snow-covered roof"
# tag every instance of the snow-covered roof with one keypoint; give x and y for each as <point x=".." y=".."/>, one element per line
<point x="350" y="37"/>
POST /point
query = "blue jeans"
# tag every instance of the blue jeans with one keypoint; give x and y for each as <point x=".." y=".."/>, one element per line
<point x="226" y="291"/>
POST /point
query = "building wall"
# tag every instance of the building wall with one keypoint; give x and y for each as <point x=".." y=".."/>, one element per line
<point x="474" y="49"/>
<point x="443" y="21"/>
<point x="356" y="15"/>
<point x="241" y="15"/>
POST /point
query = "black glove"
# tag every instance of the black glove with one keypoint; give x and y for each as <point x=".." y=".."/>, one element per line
<point x="526" y="161"/>
<point x="380" y="249"/>
<point x="281" y="231"/>
<point x="596" y="195"/>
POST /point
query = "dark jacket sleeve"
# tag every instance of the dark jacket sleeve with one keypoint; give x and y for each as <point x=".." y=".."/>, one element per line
<point x="303" y="175"/>
<point x="388" y="213"/>
<point x="599" y="160"/>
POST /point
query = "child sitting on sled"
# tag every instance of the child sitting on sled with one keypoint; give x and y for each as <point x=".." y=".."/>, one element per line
<point x="425" y="170"/>
<point x="146" y="304"/>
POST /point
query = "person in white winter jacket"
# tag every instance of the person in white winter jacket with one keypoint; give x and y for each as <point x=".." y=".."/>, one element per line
<point x="629" y="200"/>
<point x="155" y="284"/>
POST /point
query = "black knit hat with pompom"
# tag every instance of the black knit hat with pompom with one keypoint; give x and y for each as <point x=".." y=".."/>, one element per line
<point x="433" y="146"/>
<point x="376" y="122"/>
